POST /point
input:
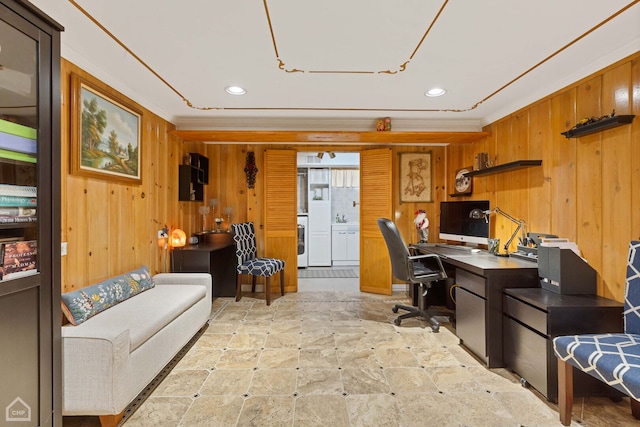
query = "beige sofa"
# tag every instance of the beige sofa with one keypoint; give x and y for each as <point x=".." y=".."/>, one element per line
<point x="112" y="356"/>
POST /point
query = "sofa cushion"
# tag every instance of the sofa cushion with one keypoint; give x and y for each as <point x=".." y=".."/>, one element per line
<point x="145" y="314"/>
<point x="80" y="305"/>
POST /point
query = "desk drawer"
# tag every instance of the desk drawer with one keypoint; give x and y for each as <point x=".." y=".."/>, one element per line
<point x="524" y="313"/>
<point x="471" y="282"/>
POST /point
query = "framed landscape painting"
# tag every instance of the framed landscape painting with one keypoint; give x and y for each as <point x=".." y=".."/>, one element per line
<point x="415" y="177"/>
<point x="105" y="134"/>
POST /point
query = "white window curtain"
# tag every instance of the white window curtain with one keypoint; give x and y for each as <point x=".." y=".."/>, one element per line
<point x="345" y="178"/>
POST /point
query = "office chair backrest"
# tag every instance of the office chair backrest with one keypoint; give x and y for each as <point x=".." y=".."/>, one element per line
<point x="398" y="251"/>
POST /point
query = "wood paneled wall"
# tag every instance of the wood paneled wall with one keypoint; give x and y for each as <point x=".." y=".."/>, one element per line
<point x="588" y="188"/>
<point x="585" y="189"/>
<point x="110" y="227"/>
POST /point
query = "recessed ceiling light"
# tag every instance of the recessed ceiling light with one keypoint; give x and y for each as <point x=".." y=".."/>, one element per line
<point x="436" y="91"/>
<point x="235" y="90"/>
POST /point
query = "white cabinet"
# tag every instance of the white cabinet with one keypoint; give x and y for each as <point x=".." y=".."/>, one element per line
<point x="345" y="244"/>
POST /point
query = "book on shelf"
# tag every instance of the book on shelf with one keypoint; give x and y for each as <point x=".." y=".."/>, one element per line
<point x="17" y="219"/>
<point x="19" y="258"/>
<point x="18" y="190"/>
<point x="18" y="138"/>
<point x="18" y="201"/>
<point x="17" y="211"/>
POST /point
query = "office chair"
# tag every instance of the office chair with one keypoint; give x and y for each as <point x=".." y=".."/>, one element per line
<point x="244" y="237"/>
<point x="419" y="270"/>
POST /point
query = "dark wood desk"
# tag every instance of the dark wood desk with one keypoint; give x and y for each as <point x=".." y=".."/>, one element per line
<point x="217" y="256"/>
<point x="480" y="279"/>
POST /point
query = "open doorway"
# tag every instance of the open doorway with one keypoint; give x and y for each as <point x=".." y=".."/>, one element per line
<point x="328" y="221"/>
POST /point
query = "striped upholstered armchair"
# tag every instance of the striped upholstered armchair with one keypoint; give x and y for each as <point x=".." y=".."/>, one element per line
<point x="612" y="358"/>
<point x="244" y="237"/>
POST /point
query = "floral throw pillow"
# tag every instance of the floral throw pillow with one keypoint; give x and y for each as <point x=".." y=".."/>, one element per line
<point x="80" y="305"/>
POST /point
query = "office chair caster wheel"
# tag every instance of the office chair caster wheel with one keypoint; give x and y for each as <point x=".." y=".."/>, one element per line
<point x="397" y="322"/>
<point x="435" y="329"/>
<point x="394" y="309"/>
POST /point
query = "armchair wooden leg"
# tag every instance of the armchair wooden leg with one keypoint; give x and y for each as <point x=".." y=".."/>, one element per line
<point x="565" y="391"/>
<point x="635" y="408"/>
<point x="267" y="289"/>
<point x="282" y="282"/>
<point x="238" y="287"/>
<point x="253" y="284"/>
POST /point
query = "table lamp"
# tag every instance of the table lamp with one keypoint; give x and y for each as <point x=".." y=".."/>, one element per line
<point x="177" y="238"/>
<point x="479" y="213"/>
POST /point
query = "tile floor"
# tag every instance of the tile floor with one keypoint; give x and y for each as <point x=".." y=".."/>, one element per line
<point x="336" y="359"/>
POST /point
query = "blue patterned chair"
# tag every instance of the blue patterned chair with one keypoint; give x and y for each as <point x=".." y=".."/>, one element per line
<point x="611" y="358"/>
<point x="244" y="237"/>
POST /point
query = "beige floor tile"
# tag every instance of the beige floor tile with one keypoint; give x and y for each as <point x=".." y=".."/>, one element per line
<point x="272" y="411"/>
<point x="213" y="341"/>
<point x="209" y="411"/>
<point x="273" y="382"/>
<point x="396" y="357"/>
<point x="318" y="358"/>
<point x="241" y="340"/>
<point x="160" y="411"/>
<point x="228" y="382"/>
<point x="199" y="359"/>
<point x="238" y="358"/>
<point x="182" y="383"/>
<point x="454" y="379"/>
<point x="364" y="380"/>
<point x="282" y="340"/>
<point x="319" y="381"/>
<point x="368" y="410"/>
<point x="321" y="411"/>
<point x="319" y="340"/>
<point x="277" y="358"/>
<point x="409" y="381"/>
<point x="358" y="357"/>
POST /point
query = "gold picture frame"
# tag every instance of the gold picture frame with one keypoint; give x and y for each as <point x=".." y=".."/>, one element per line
<point x="415" y="177"/>
<point x="106" y="134"/>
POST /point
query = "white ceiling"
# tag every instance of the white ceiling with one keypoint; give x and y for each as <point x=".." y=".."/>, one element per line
<point x="342" y="63"/>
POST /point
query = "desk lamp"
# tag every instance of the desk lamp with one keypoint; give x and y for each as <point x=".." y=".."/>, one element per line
<point x="479" y="213"/>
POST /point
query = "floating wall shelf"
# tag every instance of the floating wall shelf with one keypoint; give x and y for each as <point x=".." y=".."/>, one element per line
<point x="599" y="125"/>
<point x="518" y="164"/>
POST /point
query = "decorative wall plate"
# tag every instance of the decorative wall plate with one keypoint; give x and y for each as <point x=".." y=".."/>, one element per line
<point x="463" y="183"/>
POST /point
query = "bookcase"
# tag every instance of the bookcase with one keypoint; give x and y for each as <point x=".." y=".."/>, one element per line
<point x="29" y="217"/>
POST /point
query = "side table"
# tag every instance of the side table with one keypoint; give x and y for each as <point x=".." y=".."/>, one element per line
<point x="216" y="255"/>
<point x="534" y="316"/>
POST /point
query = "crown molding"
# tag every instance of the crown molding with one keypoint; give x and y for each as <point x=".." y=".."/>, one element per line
<point x="317" y="123"/>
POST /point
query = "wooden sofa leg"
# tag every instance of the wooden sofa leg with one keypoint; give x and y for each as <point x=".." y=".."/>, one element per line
<point x="267" y="289"/>
<point x="238" y="287"/>
<point x="111" y="420"/>
<point x="635" y="408"/>
<point x="565" y="391"/>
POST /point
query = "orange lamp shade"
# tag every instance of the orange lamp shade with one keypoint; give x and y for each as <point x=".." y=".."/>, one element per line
<point x="177" y="238"/>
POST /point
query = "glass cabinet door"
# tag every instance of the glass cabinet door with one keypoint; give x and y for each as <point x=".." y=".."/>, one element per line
<point x="18" y="153"/>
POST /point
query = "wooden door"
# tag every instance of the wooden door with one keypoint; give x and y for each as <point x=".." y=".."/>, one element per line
<point x="375" y="202"/>
<point x="280" y="218"/>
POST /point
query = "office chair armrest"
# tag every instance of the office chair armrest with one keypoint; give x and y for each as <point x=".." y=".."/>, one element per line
<point x="442" y="272"/>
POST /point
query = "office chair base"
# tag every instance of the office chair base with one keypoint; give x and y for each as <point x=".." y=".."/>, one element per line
<point x="415" y="312"/>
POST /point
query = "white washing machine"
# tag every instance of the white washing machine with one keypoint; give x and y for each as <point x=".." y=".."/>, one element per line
<point x="303" y="225"/>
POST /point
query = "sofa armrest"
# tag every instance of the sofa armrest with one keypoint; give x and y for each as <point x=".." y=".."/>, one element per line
<point x="202" y="279"/>
<point x="93" y="356"/>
